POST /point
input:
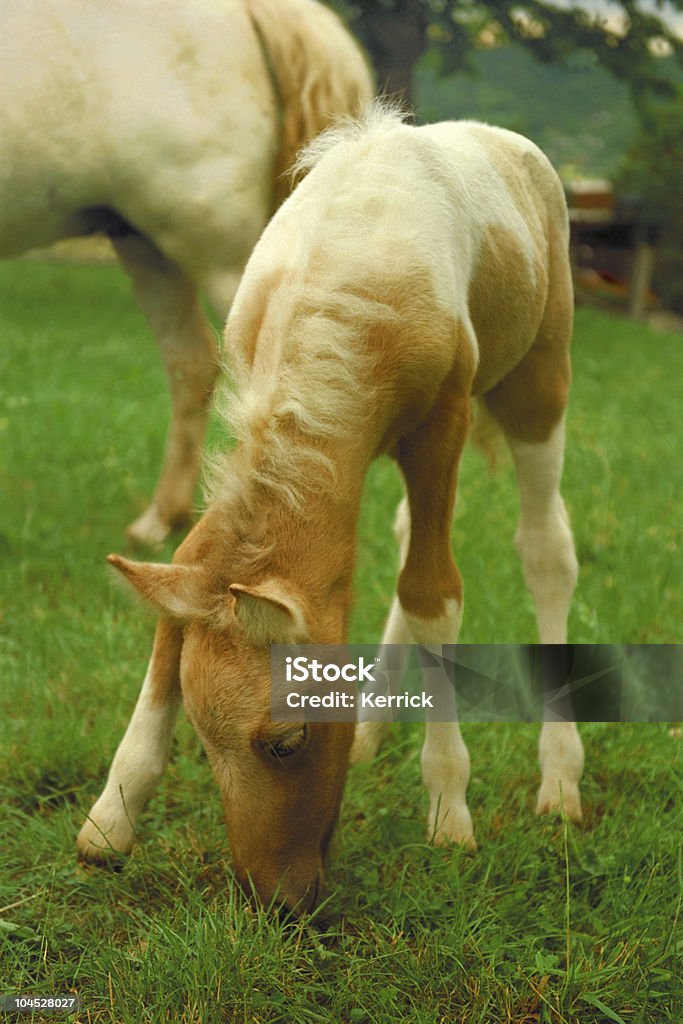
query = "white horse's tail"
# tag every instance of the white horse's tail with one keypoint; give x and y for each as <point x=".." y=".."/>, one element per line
<point x="318" y="71"/>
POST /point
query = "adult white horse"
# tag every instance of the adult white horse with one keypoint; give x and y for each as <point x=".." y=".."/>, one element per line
<point x="166" y="124"/>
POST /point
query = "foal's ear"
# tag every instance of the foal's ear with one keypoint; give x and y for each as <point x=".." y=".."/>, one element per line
<point x="178" y="591"/>
<point x="269" y="612"/>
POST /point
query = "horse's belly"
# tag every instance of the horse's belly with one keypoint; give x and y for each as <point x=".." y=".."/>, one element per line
<point x="165" y="114"/>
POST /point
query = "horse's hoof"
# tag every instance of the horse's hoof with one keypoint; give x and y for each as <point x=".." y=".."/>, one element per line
<point x="150" y="530"/>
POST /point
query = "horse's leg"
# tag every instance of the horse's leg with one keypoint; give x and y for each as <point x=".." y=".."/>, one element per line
<point x="142" y="755"/>
<point x="546" y="547"/>
<point x="220" y="286"/>
<point x="544" y="540"/>
<point x="170" y="302"/>
<point x="369" y="735"/>
<point x="430" y="598"/>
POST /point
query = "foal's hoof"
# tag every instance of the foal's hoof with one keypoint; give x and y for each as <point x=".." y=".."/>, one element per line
<point x="465" y="840"/>
<point x="103" y="843"/>
<point x="453" y="828"/>
<point x="560" y="799"/>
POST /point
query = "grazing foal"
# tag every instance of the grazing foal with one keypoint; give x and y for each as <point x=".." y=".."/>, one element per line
<point x="413" y="269"/>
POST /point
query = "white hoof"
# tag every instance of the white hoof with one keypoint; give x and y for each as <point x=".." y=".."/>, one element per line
<point x="452" y="825"/>
<point x="150" y="529"/>
<point x="557" y="796"/>
<point x="104" y="834"/>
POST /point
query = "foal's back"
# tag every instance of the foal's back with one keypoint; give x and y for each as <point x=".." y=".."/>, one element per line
<point x="518" y="273"/>
<point x="459" y="227"/>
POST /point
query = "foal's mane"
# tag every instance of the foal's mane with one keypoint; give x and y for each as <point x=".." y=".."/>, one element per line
<point x="378" y="117"/>
<point x="318" y="396"/>
<point x="304" y="361"/>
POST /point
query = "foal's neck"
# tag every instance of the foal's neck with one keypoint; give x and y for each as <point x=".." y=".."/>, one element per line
<point x="312" y="544"/>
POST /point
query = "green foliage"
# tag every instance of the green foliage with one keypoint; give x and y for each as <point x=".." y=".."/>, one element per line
<point x="577" y="112"/>
<point x="624" y="44"/>
<point x="651" y="170"/>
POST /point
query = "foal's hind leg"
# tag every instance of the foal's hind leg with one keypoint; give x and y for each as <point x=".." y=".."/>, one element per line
<point x="170" y="301"/>
<point x="370" y="734"/>
<point x="545" y="543"/>
<point x="141" y="758"/>
<point x="430" y="596"/>
<point x="530" y="404"/>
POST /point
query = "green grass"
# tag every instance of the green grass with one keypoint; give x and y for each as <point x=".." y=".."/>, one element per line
<point x="544" y="925"/>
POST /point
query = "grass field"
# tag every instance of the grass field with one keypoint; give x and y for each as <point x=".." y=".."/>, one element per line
<point x="546" y="923"/>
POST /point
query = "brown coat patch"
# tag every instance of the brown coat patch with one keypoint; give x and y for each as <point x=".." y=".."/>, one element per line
<point x="506" y="301"/>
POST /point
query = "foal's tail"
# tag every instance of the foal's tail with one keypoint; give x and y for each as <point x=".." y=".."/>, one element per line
<point x="318" y="72"/>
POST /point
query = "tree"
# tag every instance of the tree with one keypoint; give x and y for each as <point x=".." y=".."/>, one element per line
<point x="652" y="172"/>
<point x="397" y="32"/>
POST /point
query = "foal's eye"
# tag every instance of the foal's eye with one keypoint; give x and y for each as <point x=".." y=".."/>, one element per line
<point x="285" y="746"/>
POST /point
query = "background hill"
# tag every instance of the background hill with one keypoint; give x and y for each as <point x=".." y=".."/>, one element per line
<point x="577" y="112"/>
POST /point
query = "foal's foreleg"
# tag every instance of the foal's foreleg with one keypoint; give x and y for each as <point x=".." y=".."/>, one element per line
<point x="142" y="755"/>
<point x="170" y="302"/>
<point x="546" y="547"/>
